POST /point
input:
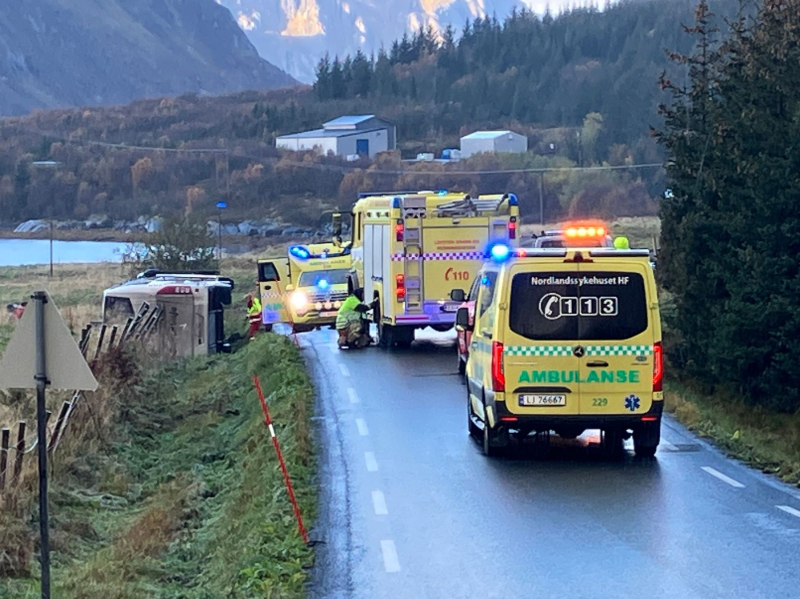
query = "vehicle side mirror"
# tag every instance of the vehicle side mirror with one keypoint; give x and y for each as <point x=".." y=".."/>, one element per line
<point x="462" y="319"/>
<point x="350" y="286"/>
<point x="458" y="295"/>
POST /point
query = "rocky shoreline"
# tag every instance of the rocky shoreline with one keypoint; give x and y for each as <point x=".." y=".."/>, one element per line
<point x="104" y="229"/>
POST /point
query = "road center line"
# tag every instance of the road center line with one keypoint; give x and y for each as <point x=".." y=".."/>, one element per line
<point x="372" y="463"/>
<point x="789" y="510"/>
<point x="379" y="503"/>
<point x="723" y="478"/>
<point x="345" y="371"/>
<point x="353" y="396"/>
<point x="362" y="427"/>
<point x="390" y="559"/>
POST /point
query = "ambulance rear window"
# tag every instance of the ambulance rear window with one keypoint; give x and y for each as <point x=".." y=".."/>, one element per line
<point x="572" y="306"/>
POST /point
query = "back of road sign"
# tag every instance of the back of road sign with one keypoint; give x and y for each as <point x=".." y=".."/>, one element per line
<point x="65" y="365"/>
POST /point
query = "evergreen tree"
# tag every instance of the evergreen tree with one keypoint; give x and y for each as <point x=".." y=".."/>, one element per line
<point x="323" y="83"/>
<point x="730" y="251"/>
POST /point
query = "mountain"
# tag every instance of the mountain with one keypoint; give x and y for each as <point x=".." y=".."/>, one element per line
<point x="295" y="34"/>
<point x="71" y="53"/>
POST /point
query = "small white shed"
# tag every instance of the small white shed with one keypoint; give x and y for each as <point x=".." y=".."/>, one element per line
<point x="493" y="142"/>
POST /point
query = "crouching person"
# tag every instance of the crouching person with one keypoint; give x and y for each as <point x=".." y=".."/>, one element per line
<point x="351" y="323"/>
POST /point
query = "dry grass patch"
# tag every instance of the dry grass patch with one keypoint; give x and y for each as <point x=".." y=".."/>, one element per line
<point x="766" y="440"/>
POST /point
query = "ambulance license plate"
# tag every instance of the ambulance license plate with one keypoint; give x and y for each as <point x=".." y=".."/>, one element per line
<point x="542" y="400"/>
<point x="451" y="307"/>
<point x="327" y="314"/>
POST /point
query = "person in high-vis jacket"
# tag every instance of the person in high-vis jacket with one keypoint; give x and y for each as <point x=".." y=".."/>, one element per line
<point x="351" y="325"/>
<point x="253" y="314"/>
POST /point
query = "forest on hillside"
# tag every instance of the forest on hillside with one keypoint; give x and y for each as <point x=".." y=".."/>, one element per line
<point x="583" y="86"/>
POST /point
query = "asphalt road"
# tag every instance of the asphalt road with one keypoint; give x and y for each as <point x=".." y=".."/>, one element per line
<point x="410" y="508"/>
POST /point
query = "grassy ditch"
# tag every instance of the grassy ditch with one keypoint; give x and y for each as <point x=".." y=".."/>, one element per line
<point x="764" y="439"/>
<point x="186" y="499"/>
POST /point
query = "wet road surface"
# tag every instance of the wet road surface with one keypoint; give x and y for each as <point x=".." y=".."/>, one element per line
<point x="410" y="508"/>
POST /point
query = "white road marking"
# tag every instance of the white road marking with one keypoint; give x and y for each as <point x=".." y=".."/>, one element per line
<point x="390" y="559"/>
<point x="789" y="510"/>
<point x="345" y="371"/>
<point x="723" y="478"/>
<point x="379" y="503"/>
<point x="352" y="393"/>
<point x="372" y="463"/>
<point x="362" y="427"/>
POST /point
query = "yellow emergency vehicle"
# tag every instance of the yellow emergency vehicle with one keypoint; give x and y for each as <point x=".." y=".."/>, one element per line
<point x="410" y="250"/>
<point x="306" y="287"/>
<point x="564" y="340"/>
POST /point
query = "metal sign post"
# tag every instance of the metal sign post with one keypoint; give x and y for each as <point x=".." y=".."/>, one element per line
<point x="43" y="352"/>
<point x="40" y="299"/>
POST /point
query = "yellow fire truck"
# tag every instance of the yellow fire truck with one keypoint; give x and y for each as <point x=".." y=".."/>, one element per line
<point x="306" y="287"/>
<point x="410" y="250"/>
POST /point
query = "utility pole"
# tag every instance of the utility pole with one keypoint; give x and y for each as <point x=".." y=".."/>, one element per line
<point x="541" y="197"/>
<point x="220" y="207"/>
<point x="49" y="164"/>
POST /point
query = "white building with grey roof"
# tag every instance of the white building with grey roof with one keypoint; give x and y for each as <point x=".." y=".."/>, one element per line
<point x="363" y="135"/>
<point x="493" y="142"/>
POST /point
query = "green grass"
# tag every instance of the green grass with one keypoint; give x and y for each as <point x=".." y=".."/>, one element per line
<point x="189" y="501"/>
<point x="767" y="440"/>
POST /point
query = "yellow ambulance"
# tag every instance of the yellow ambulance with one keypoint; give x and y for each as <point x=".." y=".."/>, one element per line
<point x="411" y="249"/>
<point x="565" y="340"/>
<point x="306" y="287"/>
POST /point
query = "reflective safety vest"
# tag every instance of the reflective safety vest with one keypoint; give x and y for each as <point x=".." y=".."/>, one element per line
<point x="254" y="311"/>
<point x="347" y="312"/>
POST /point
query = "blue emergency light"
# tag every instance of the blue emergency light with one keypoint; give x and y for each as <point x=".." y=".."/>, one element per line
<point x="323" y="284"/>
<point x="512" y="200"/>
<point x="298" y="251"/>
<point x="499" y="252"/>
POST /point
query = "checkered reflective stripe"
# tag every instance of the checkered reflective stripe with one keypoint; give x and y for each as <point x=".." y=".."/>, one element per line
<point x="538" y="350"/>
<point x="619" y="350"/>
<point x="566" y="350"/>
<point x="440" y="256"/>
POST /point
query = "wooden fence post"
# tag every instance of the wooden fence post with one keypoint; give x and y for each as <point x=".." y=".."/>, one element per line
<point x="85" y="339"/>
<point x="4" y="434"/>
<point x="124" y="334"/>
<point x="59" y="429"/>
<point x="100" y="342"/>
<point x="112" y="338"/>
<point x="20" y="452"/>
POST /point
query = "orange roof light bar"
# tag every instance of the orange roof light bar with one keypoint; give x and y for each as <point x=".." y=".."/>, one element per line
<point x="585" y="230"/>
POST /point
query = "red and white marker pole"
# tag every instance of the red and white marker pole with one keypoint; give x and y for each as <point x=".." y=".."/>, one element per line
<point x="280" y="459"/>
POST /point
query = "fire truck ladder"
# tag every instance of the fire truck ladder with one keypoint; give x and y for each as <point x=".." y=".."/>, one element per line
<point x="470" y="207"/>
<point x="413" y="263"/>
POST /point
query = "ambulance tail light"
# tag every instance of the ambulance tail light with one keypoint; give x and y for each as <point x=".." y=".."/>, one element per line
<point x="658" y="367"/>
<point x="498" y="372"/>
<point x="512" y="227"/>
<point x="399" y="230"/>
<point x="400" y="287"/>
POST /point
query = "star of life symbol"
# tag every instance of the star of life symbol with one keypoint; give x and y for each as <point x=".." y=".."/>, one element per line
<point x="632" y="403"/>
